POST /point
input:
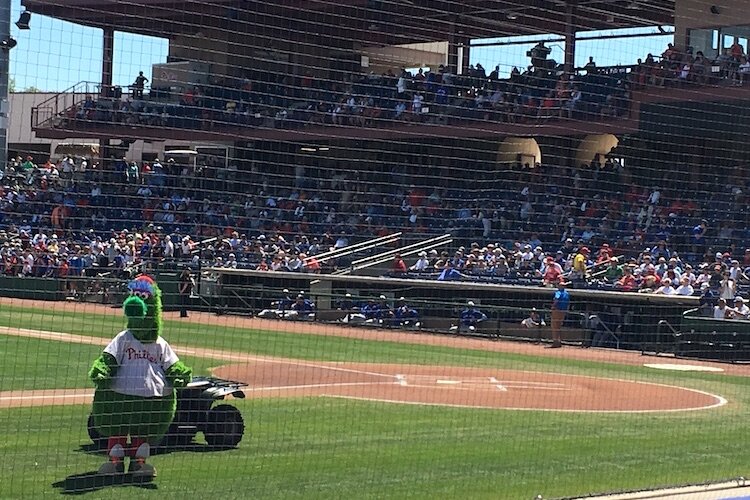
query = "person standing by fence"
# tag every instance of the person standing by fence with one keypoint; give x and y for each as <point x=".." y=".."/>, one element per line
<point x="560" y="305"/>
<point x="185" y="288"/>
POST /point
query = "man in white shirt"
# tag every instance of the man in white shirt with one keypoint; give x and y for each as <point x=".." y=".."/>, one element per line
<point x="721" y="309"/>
<point x="534" y="320"/>
<point x="168" y="247"/>
<point x="727" y="287"/>
<point x="422" y="263"/>
<point x="666" y="287"/>
<point x="187" y="247"/>
<point x="735" y="271"/>
<point x="28" y="263"/>
<point x="740" y="309"/>
<point x="689" y="274"/>
<point x="685" y="287"/>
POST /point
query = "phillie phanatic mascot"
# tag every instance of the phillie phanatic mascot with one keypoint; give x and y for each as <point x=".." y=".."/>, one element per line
<point x="135" y="379"/>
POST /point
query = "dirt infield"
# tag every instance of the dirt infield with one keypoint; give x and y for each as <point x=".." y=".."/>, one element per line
<point x="51" y="397"/>
<point x="463" y="387"/>
<point x="436" y="385"/>
<point x="428" y="385"/>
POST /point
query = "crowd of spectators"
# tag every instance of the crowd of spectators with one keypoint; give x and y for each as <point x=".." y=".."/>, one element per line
<point x="656" y="270"/>
<point x="79" y="216"/>
<point x="683" y="67"/>
<point x="278" y="100"/>
<point x="542" y="91"/>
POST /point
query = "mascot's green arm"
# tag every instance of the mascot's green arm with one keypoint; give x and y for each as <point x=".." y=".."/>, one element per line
<point x="179" y="374"/>
<point x="103" y="369"/>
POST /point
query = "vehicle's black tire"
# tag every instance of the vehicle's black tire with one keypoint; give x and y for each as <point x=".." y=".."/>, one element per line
<point x="224" y="426"/>
<point x="100" y="443"/>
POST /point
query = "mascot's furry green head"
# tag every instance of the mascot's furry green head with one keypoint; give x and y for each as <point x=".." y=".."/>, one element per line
<point x="135" y="377"/>
<point x="143" y="309"/>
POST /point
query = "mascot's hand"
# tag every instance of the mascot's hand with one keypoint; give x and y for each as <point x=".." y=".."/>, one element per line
<point x="102" y="370"/>
<point x="179" y="374"/>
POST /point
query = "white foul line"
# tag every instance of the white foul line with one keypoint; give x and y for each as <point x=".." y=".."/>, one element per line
<point x="498" y="385"/>
<point x="48" y="396"/>
<point x="312" y="386"/>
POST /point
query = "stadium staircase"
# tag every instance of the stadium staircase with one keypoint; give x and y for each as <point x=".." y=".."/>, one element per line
<point x="52" y="113"/>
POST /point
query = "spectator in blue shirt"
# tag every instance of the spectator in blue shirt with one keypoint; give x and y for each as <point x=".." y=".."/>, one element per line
<point x="699" y="237"/>
<point x="280" y="307"/>
<point x="450" y="273"/>
<point x="301" y="309"/>
<point x="560" y="306"/>
<point x="405" y="315"/>
<point x="470" y="318"/>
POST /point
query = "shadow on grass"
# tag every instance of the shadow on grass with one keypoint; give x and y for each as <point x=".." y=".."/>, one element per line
<point x="79" y="484"/>
<point x="93" y="449"/>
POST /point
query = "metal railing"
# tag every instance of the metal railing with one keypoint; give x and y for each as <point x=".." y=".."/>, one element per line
<point x="609" y="333"/>
<point x="355" y="248"/>
<point x="663" y="328"/>
<point x="53" y="111"/>
<point x="406" y="251"/>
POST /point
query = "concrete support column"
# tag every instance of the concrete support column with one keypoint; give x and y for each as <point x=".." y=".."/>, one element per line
<point x="466" y="57"/>
<point x="4" y="81"/>
<point x="458" y="52"/>
<point x="570" y="38"/>
<point x="108" y="52"/>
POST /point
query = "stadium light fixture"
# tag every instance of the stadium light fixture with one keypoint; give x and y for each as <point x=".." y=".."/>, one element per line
<point x="23" y="20"/>
<point x="308" y="150"/>
<point x="8" y="43"/>
<point x="512" y="16"/>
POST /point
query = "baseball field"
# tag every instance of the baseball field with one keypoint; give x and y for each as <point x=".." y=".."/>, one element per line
<point x="337" y="412"/>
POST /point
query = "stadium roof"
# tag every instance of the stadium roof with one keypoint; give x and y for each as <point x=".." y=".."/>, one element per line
<point x="367" y="22"/>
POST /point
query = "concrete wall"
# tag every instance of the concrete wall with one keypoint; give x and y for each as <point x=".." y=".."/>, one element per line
<point x="509" y="149"/>
<point x="19" y="124"/>
<point x="697" y="14"/>
<point x="415" y="55"/>
<point x="406" y="56"/>
<point x="593" y="145"/>
<point x="21" y="137"/>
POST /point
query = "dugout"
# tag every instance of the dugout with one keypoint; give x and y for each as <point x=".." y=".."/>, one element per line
<point x="636" y="316"/>
<point x="703" y="337"/>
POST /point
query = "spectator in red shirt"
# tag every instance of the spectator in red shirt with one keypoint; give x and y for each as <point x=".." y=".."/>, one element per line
<point x="737" y="50"/>
<point x="399" y="266"/>
<point x="628" y="282"/>
<point x="552" y="271"/>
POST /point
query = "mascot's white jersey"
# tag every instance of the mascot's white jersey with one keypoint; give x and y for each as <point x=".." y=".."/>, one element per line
<point x="142" y="367"/>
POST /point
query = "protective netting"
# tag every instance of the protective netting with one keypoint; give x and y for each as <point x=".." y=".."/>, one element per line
<point x="365" y="223"/>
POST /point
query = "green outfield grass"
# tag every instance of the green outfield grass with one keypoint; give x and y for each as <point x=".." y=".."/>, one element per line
<point x="333" y="448"/>
<point x="321" y="347"/>
<point x="27" y="363"/>
<point x="328" y="448"/>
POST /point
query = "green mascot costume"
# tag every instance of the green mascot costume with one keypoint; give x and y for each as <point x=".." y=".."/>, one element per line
<point x="135" y="379"/>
